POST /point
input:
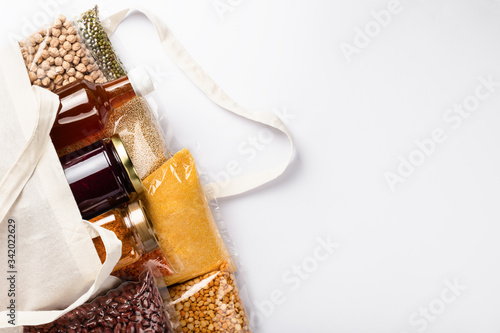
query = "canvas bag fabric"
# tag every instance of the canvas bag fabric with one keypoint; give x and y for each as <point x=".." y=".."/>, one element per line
<point x="56" y="266"/>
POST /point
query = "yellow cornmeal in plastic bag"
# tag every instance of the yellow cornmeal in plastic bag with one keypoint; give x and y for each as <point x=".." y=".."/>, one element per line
<point x="182" y="219"/>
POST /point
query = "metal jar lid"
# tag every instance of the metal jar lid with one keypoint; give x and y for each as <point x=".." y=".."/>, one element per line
<point x="127" y="164"/>
<point x="142" y="225"/>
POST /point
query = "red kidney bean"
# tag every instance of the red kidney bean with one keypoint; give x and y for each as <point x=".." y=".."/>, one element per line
<point x="121" y="299"/>
<point x="124" y="307"/>
<point x="113" y="312"/>
<point x="134" y="307"/>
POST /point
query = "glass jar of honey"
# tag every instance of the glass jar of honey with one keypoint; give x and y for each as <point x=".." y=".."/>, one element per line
<point x="133" y="227"/>
<point x="101" y="176"/>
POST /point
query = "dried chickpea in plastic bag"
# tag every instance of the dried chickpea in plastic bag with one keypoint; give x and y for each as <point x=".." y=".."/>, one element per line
<point x="56" y="56"/>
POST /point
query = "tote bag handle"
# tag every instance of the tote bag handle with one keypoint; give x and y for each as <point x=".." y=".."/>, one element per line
<point x="208" y="86"/>
<point x="17" y="176"/>
<point x="113" y="254"/>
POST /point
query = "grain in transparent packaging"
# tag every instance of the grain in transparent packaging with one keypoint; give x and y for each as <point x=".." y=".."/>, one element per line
<point x="204" y="286"/>
<point x="181" y="216"/>
<point x="140" y="132"/>
<point x="210" y="303"/>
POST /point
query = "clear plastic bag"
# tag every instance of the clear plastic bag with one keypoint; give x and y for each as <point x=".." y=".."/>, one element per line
<point x="156" y="258"/>
<point x="210" y="303"/>
<point x="140" y="132"/>
<point x="55" y="56"/>
<point x="187" y="231"/>
<point x="95" y="38"/>
<point x="132" y="307"/>
<point x="68" y="51"/>
<point x="181" y="216"/>
<point x="203" y="285"/>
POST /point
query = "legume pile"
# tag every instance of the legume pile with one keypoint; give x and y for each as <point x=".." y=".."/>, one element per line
<point x="90" y="29"/>
<point x="55" y="57"/>
<point x="132" y="307"/>
<point x="210" y="303"/>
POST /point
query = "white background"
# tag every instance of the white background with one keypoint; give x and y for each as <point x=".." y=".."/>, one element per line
<point x="352" y="122"/>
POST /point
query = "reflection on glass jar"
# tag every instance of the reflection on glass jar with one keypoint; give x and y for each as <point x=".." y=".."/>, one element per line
<point x="101" y="177"/>
<point x="133" y="227"/>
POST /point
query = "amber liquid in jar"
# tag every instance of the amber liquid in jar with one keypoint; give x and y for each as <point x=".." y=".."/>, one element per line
<point x="85" y="108"/>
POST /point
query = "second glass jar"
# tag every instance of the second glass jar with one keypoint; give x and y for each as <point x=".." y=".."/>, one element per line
<point x="133" y="227"/>
<point x="101" y="177"/>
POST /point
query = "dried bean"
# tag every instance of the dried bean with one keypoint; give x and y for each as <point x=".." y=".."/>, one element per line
<point x="71" y="39"/>
<point x="51" y="74"/>
<point x="81" y="68"/>
<point x="54" y="42"/>
<point x="100" y="315"/>
<point x="58" y="80"/>
<point x="40" y="73"/>
<point x="32" y="77"/>
<point x="56" y="32"/>
<point x="45" y="65"/>
<point x="38" y="38"/>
